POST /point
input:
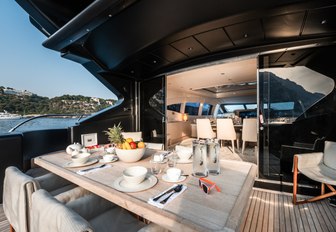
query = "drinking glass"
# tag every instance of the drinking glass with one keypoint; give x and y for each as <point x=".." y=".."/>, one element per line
<point x="199" y="158"/>
<point x="212" y="156"/>
<point x="156" y="166"/>
<point x="172" y="159"/>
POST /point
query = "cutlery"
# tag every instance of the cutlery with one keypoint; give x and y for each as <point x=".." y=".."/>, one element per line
<point x="175" y="190"/>
<point x="164" y="193"/>
<point x="89" y="169"/>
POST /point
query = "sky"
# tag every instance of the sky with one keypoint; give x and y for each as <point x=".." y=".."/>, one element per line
<point x="26" y="65"/>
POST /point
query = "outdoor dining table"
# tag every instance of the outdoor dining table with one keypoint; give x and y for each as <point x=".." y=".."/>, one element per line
<point x="192" y="210"/>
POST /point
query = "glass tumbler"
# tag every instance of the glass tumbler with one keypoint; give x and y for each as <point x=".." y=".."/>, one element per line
<point x="199" y="158"/>
<point x="212" y="156"/>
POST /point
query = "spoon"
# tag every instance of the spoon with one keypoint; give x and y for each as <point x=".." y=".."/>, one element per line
<point x="177" y="189"/>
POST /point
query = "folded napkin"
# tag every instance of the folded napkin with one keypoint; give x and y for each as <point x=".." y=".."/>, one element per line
<point x="160" y="205"/>
<point x="93" y="169"/>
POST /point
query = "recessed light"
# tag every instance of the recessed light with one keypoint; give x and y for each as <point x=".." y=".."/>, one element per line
<point x="154" y="61"/>
<point x="87" y="29"/>
<point x="324" y="21"/>
<point x="132" y="71"/>
<point x="245" y="35"/>
<point x="190" y="48"/>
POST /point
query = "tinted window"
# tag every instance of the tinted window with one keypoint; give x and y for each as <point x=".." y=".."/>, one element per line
<point x="191" y="108"/>
<point x="231" y="108"/>
<point x="174" y="107"/>
<point x="207" y="108"/>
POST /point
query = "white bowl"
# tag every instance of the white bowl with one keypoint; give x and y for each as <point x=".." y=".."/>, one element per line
<point x="184" y="154"/>
<point x="110" y="149"/>
<point x="134" y="175"/>
<point x="80" y="158"/>
<point x="130" y="156"/>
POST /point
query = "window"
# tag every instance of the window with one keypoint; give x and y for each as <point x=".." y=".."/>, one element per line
<point x="206" y="109"/>
<point x="174" y="107"/>
<point x="191" y="108"/>
<point x="231" y="108"/>
<point x="251" y="106"/>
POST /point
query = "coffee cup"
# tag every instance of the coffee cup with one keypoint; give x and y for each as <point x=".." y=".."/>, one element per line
<point x="108" y="157"/>
<point x="174" y="174"/>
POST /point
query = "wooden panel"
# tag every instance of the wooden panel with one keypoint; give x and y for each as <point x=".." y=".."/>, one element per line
<point x="4" y="225"/>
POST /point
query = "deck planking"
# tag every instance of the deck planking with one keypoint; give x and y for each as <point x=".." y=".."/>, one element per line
<point x="270" y="211"/>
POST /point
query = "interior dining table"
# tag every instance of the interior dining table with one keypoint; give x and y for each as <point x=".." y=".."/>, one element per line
<point x="192" y="210"/>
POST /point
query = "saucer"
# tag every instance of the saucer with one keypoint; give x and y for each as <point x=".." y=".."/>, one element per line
<point x="179" y="161"/>
<point x="105" y="162"/>
<point x="166" y="178"/>
<point x="121" y="185"/>
<point x="74" y="165"/>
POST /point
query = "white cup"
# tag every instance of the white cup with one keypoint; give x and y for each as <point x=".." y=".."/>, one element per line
<point x="174" y="174"/>
<point x="183" y="155"/>
<point x="108" y="157"/>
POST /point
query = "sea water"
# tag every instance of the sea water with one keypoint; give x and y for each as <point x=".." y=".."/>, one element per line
<point x="36" y="124"/>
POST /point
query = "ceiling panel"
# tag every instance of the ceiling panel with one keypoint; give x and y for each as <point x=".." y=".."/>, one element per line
<point x="245" y="33"/>
<point x="320" y="21"/>
<point x="153" y="61"/>
<point x="215" y="40"/>
<point x="281" y="26"/>
<point x="169" y="53"/>
<point x="190" y="47"/>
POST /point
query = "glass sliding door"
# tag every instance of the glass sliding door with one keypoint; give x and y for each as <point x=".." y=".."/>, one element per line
<point x="297" y="107"/>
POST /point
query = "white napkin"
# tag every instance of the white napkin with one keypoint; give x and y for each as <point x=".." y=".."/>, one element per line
<point x="83" y="172"/>
<point x="158" y="204"/>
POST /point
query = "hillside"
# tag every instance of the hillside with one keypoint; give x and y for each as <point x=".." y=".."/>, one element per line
<point x="25" y="103"/>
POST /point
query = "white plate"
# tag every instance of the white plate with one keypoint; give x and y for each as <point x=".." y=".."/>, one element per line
<point x="73" y="165"/>
<point x="105" y="162"/>
<point x="121" y="185"/>
<point x="165" y="178"/>
<point x="179" y="161"/>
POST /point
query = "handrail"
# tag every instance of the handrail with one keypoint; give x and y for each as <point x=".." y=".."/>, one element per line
<point x="43" y="116"/>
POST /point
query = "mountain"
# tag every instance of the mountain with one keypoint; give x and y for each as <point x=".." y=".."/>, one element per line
<point x="26" y="103"/>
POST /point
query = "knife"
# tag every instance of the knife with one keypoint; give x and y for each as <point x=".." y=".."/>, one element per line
<point x="89" y="169"/>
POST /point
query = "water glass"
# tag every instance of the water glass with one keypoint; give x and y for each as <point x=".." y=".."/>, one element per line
<point x="156" y="166"/>
<point x="172" y="159"/>
<point x="212" y="156"/>
<point x="199" y="158"/>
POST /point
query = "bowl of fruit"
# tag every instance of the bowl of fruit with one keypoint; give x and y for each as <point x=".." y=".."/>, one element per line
<point x="126" y="149"/>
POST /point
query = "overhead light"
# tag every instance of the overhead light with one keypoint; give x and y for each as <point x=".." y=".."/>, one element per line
<point x="245" y="35"/>
<point x="190" y="48"/>
<point x="324" y="21"/>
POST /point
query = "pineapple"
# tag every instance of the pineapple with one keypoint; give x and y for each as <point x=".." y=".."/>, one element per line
<point x="114" y="135"/>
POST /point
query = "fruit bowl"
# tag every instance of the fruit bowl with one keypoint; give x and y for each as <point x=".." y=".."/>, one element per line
<point x="130" y="156"/>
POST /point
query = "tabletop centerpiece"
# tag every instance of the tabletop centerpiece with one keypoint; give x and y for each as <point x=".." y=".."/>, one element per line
<point x="127" y="150"/>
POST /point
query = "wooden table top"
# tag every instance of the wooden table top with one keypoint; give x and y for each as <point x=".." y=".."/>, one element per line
<point x="193" y="210"/>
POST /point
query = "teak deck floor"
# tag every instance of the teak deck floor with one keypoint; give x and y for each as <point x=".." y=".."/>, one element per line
<point x="271" y="211"/>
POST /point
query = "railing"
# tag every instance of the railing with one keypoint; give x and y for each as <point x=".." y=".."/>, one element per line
<point x="44" y="116"/>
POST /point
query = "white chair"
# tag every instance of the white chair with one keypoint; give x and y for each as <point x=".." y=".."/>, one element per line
<point x="19" y="187"/>
<point x="204" y="129"/>
<point x="226" y="131"/>
<point x="318" y="166"/>
<point x="155" y="146"/>
<point x="136" y="136"/>
<point x="50" y="215"/>
<point x="249" y="133"/>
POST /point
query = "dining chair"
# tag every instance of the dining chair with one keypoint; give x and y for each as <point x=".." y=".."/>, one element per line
<point x="226" y="131"/>
<point x="18" y="189"/>
<point x="318" y="166"/>
<point x="204" y="129"/>
<point x="48" y="214"/>
<point x="249" y="131"/>
<point x="136" y="136"/>
<point x="155" y="146"/>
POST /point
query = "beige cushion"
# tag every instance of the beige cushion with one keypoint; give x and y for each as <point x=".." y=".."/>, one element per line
<point x="329" y="158"/>
<point x="50" y="215"/>
<point x="17" y="190"/>
<point x="312" y="166"/>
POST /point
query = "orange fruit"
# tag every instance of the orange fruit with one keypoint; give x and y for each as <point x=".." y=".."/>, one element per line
<point x="141" y="144"/>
